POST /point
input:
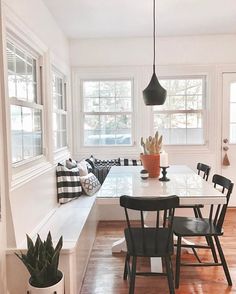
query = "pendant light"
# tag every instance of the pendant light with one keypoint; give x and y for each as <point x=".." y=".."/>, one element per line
<point x="154" y="94"/>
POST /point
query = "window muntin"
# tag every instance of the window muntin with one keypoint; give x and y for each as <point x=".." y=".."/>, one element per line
<point x="232" y="136"/>
<point x="107" y="112"/>
<point x="180" y="119"/>
<point x="59" y="110"/>
<point x="26" y="110"/>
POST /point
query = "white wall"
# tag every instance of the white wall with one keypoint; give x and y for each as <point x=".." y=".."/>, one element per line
<point x="190" y="55"/>
<point x="196" y="50"/>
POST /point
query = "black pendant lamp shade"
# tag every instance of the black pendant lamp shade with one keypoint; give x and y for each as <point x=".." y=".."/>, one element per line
<point x="154" y="94"/>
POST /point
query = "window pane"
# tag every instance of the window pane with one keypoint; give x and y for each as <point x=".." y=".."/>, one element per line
<point x="194" y="102"/>
<point x="123" y="89"/>
<point x="178" y="136"/>
<point x="233" y="92"/>
<point x="194" y="86"/>
<point x="63" y="139"/>
<point x="107" y="122"/>
<point x="194" y="120"/>
<point x="107" y="89"/>
<point x="27" y="117"/>
<point x="91" y="105"/>
<point x="107" y="104"/>
<point x="178" y="120"/>
<point x="91" y="122"/>
<point x="37" y="142"/>
<point x="233" y="112"/>
<point x="91" y="89"/>
<point x="123" y="121"/>
<point x="92" y="137"/>
<point x="233" y="133"/>
<point x="16" y="132"/>
<point x="123" y="104"/>
<point x="195" y="136"/>
<point x="123" y="137"/>
<point x="177" y="102"/>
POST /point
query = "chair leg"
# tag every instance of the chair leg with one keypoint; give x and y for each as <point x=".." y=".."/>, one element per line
<point x="127" y="258"/>
<point x="223" y="261"/>
<point x="169" y="273"/>
<point x="213" y="250"/>
<point x="132" y="276"/>
<point x="177" y="267"/>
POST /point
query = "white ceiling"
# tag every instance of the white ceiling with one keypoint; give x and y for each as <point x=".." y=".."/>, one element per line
<point x="133" y="18"/>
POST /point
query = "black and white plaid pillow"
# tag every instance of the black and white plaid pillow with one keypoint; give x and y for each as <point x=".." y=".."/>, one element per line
<point x="68" y="184"/>
<point x="126" y="161"/>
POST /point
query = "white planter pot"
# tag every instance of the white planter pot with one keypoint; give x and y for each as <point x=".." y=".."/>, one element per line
<point x="55" y="289"/>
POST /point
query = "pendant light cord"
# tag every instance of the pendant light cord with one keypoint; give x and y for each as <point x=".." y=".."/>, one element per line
<point x="154" y="35"/>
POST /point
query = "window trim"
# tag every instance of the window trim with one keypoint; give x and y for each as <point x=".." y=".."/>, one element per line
<point x="205" y="93"/>
<point x="83" y="113"/>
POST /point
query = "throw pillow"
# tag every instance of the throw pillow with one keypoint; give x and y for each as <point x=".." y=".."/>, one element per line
<point x="82" y="165"/>
<point x="68" y="183"/>
<point x="90" y="184"/>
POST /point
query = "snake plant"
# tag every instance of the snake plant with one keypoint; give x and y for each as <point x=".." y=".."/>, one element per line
<point x="41" y="260"/>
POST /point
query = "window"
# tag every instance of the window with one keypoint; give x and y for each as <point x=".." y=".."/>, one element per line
<point x="180" y="119"/>
<point x="26" y="109"/>
<point x="59" y="110"/>
<point x="232" y="137"/>
<point x="107" y="112"/>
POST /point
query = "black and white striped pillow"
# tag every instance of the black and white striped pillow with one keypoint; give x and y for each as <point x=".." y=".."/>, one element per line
<point x="126" y="161"/>
<point x="68" y="184"/>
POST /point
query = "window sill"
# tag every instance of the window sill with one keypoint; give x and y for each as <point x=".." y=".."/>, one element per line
<point x="61" y="154"/>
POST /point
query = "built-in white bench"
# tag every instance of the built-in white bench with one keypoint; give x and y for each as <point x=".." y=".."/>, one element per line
<point x="76" y="221"/>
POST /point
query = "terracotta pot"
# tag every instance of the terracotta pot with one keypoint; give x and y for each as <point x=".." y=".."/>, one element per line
<point x="57" y="288"/>
<point x="151" y="162"/>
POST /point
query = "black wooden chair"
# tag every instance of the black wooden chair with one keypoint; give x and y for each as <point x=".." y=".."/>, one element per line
<point x="145" y="241"/>
<point x="210" y="228"/>
<point x="203" y="170"/>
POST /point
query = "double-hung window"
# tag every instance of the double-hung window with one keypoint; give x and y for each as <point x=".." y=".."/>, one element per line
<point x="107" y="112"/>
<point x="181" y="119"/>
<point x="25" y="102"/>
<point x="59" y="110"/>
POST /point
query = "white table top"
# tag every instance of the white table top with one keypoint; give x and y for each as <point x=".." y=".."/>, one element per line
<point x="184" y="182"/>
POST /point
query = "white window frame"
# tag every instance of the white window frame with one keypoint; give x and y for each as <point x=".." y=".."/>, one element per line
<point x="19" y="44"/>
<point x="202" y="111"/>
<point x="64" y="109"/>
<point x="107" y="113"/>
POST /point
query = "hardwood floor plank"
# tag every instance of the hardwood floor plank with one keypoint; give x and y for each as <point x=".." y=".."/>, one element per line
<point x="104" y="273"/>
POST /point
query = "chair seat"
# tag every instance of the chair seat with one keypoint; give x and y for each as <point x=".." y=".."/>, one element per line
<point x="152" y="248"/>
<point x="191" y="226"/>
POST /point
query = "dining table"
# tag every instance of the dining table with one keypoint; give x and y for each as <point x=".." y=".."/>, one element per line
<point x="182" y="181"/>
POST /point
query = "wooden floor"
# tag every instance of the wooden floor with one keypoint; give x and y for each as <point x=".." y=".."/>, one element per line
<point x="105" y="271"/>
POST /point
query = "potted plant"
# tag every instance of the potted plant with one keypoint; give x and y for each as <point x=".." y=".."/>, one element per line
<point x="41" y="260"/>
<point x="151" y="154"/>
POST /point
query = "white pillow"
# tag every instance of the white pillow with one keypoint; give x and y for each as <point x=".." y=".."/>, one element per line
<point x="90" y="184"/>
<point x="82" y="165"/>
